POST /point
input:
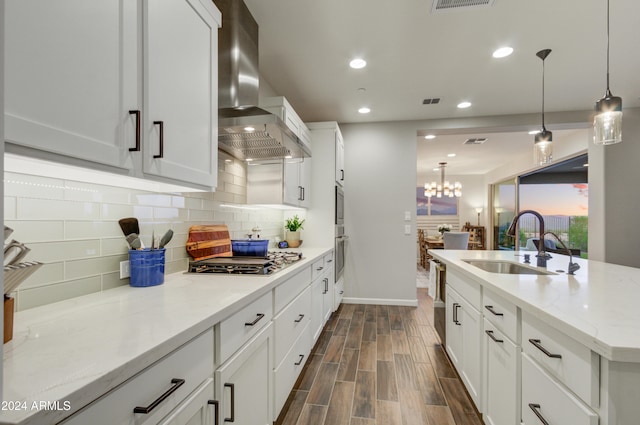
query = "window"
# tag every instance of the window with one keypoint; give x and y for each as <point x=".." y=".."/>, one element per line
<point x="435" y="206"/>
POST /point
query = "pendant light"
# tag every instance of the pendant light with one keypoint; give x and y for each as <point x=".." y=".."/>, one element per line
<point x="543" y="142"/>
<point x="607" y="123"/>
<point x="444" y="188"/>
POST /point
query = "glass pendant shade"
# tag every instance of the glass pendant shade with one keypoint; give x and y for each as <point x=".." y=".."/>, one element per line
<point x="543" y="147"/>
<point x="445" y="188"/>
<point x="607" y="123"/>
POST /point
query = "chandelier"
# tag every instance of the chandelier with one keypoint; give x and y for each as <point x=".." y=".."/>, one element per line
<point x="444" y="188"/>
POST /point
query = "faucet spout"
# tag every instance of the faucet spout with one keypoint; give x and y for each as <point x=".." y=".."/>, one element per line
<point x="542" y="256"/>
<point x="573" y="267"/>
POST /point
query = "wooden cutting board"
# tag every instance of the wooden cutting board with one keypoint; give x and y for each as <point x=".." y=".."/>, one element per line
<point x="209" y="241"/>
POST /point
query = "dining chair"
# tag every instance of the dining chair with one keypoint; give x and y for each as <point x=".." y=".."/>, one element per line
<point x="456" y="240"/>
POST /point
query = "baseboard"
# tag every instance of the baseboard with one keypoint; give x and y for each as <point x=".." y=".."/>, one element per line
<point x="380" y="301"/>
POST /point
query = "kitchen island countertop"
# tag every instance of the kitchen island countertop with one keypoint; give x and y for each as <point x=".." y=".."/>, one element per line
<point x="78" y="349"/>
<point x="598" y="306"/>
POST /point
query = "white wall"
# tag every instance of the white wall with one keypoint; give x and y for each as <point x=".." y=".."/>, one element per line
<point x="614" y="234"/>
<point x="380" y="165"/>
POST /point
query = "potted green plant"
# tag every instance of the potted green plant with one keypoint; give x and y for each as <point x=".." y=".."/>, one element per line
<point x="292" y="234"/>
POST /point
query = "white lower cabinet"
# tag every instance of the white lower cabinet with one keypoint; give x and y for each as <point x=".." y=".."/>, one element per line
<point x="464" y="342"/>
<point x="198" y="409"/>
<point x="289" y="369"/>
<point x="178" y="385"/>
<point x="501" y="378"/>
<point x="546" y="401"/>
<point x="243" y="383"/>
<point x="321" y="301"/>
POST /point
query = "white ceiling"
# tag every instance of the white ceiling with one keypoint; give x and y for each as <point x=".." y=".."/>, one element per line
<point x="412" y="54"/>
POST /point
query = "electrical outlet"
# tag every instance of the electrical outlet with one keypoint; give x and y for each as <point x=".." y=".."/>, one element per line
<point x="124" y="269"/>
<point x="407" y="216"/>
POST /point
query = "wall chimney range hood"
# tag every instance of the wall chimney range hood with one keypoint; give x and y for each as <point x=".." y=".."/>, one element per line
<point x="246" y="131"/>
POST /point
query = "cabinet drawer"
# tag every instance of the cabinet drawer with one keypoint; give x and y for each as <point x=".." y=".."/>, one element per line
<point x="317" y="268"/>
<point x="193" y="363"/>
<point x="542" y="395"/>
<point x="567" y="360"/>
<point x="501" y="313"/>
<point x="290" y="322"/>
<point x="288" y="371"/>
<point x="287" y="291"/>
<point x="237" y="329"/>
<point x="469" y="290"/>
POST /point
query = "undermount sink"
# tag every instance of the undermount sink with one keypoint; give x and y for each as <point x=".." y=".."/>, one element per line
<point x="505" y="267"/>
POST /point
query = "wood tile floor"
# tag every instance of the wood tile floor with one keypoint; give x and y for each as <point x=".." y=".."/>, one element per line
<point x="379" y="365"/>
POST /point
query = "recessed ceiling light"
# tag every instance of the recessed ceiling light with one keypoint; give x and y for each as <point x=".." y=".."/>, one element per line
<point x="532" y="132"/>
<point x="436" y="169"/>
<point x="249" y="129"/>
<point x="502" y="52"/>
<point x="451" y="155"/>
<point x="364" y="110"/>
<point x="463" y="105"/>
<point x="430" y="136"/>
<point x="361" y="90"/>
<point x="358" y="63"/>
<point x="228" y="161"/>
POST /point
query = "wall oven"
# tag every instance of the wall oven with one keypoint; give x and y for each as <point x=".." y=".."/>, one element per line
<point x="339" y="213"/>
<point x="341" y="240"/>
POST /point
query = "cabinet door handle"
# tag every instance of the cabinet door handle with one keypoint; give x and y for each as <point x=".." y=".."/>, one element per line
<point x="455" y="314"/>
<point x="233" y="403"/>
<point x="538" y="345"/>
<point x="300" y="198"/>
<point x="303" y="194"/>
<point x="216" y="409"/>
<point x="341" y="292"/>
<point x="176" y="383"/>
<point x="260" y="316"/>
<point x="490" y="333"/>
<point x="299" y="362"/>
<point x="492" y="310"/>
<point x="137" y="114"/>
<point x="326" y="285"/>
<point x="161" y="137"/>
<point x="341" y="175"/>
<point x="299" y="319"/>
<point x="536" y="410"/>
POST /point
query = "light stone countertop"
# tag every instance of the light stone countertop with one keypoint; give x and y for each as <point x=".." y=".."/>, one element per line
<point x="598" y="306"/>
<point x="78" y="349"/>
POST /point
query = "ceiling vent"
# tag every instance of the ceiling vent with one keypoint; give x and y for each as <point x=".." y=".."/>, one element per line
<point x="432" y="101"/>
<point x="476" y="141"/>
<point x="442" y="5"/>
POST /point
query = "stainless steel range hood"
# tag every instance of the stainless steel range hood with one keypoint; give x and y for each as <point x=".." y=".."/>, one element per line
<point x="246" y="131"/>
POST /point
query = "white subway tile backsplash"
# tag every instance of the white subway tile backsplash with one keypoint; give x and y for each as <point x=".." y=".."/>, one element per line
<point x="73" y="227"/>
<point x="49" y="209"/>
<point x="36" y="230"/>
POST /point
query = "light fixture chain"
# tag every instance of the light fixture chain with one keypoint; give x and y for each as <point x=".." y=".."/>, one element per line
<point x="608" y="47"/>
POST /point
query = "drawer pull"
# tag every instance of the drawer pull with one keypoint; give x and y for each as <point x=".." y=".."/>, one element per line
<point x="455" y="314"/>
<point x="341" y="292"/>
<point x="137" y="115"/>
<point x="326" y="285"/>
<point x="233" y="403"/>
<point x="299" y="362"/>
<point x="536" y="410"/>
<point x="177" y="383"/>
<point x="299" y="319"/>
<point x="319" y="268"/>
<point x="260" y="316"/>
<point x="490" y="308"/>
<point x="329" y="261"/>
<point x="536" y="343"/>
<point x="490" y="333"/>
<point x="161" y="139"/>
<point x="216" y="406"/>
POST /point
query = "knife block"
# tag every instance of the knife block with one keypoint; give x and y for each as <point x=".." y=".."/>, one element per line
<point x="8" y="318"/>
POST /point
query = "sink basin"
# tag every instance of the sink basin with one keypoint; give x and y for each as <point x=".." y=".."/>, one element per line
<point x="505" y="267"/>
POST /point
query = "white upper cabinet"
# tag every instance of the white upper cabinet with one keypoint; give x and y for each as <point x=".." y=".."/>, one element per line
<point x="71" y="76"/>
<point x="88" y="82"/>
<point x="339" y="158"/>
<point x="180" y="92"/>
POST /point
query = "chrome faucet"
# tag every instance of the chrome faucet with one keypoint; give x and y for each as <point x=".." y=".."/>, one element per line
<point x="573" y="267"/>
<point x="542" y="256"/>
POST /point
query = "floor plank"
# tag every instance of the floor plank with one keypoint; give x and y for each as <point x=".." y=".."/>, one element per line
<point x="339" y="411"/>
<point x="429" y="385"/>
<point x="440" y="415"/>
<point x="365" y="395"/>
<point x="399" y="342"/>
<point x="405" y="371"/>
<point x="462" y="408"/>
<point x="386" y="379"/>
<point x="413" y="410"/>
<point x="369" y="331"/>
<point x="395" y="321"/>
<point x="309" y="372"/>
<point x="388" y="413"/>
<point x="312" y="414"/>
<point x="385" y="348"/>
<point x="367" y="356"/>
<point x="418" y="350"/>
<point x="348" y="365"/>
<point x="333" y="354"/>
<point x="320" y="392"/>
<point x="441" y="363"/>
<point x="382" y="325"/>
<point x="293" y="409"/>
<point x="342" y="327"/>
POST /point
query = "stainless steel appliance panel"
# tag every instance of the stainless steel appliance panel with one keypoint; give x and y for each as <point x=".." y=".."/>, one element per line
<point x="339" y="252"/>
<point x="439" y="299"/>
<point x="339" y="205"/>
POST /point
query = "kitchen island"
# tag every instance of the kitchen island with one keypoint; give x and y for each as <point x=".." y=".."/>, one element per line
<point x="72" y="352"/>
<point x="572" y="340"/>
